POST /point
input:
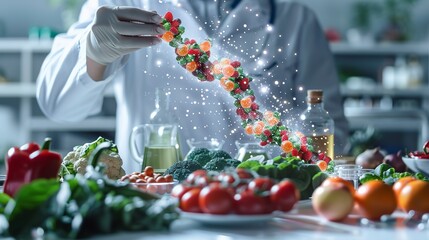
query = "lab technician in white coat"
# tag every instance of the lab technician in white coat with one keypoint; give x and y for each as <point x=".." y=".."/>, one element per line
<point x="280" y="43"/>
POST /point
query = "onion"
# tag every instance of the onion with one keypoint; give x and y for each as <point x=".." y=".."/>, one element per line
<point x="334" y="201"/>
<point x="395" y="160"/>
<point x="371" y="158"/>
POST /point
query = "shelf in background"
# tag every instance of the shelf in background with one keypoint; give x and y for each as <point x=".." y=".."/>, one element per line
<point x="409" y="48"/>
<point x="10" y="45"/>
<point x="392" y="120"/>
<point x="92" y="124"/>
<point x="379" y="91"/>
<point x="19" y="90"/>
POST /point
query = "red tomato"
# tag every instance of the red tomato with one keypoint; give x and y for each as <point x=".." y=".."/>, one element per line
<point x="247" y="203"/>
<point x="284" y="195"/>
<point x="261" y="184"/>
<point x="215" y="199"/>
<point x="226" y="178"/>
<point x="244" y="173"/>
<point x="194" y="175"/>
<point x="179" y="190"/>
<point x="189" y="201"/>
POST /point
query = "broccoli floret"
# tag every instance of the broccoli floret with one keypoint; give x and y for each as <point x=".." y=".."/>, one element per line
<point x="219" y="154"/>
<point x="202" y="159"/>
<point x="216" y="164"/>
<point x="232" y="162"/>
<point x="196" y="152"/>
<point x="181" y="170"/>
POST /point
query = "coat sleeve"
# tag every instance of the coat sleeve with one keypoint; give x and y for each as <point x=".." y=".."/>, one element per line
<point x="65" y="92"/>
<point x="316" y="70"/>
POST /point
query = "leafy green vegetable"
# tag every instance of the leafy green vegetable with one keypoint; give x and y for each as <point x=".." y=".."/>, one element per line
<point x="249" y="164"/>
<point x="380" y="169"/>
<point x="368" y="177"/>
<point x="82" y="206"/>
<point x="4" y="200"/>
<point x="318" y="179"/>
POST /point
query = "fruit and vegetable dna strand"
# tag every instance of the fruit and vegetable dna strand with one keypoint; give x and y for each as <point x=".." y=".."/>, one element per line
<point x="266" y="126"/>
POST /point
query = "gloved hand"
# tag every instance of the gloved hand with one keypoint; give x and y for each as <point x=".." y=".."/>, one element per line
<point x="117" y="31"/>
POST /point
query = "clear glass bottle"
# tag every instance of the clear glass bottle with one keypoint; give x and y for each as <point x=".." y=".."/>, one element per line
<point x="162" y="114"/>
<point x="317" y="125"/>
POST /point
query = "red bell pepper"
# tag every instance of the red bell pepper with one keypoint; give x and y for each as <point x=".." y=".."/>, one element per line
<point x="28" y="163"/>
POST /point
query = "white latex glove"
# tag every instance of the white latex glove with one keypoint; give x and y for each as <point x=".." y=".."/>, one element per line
<point x="117" y="31"/>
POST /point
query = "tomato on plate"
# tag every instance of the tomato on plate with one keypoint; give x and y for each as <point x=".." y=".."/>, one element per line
<point x="284" y="195"/>
<point x="179" y="190"/>
<point x="415" y="196"/>
<point x="375" y="199"/>
<point x="216" y="199"/>
<point x="248" y="203"/>
<point x="189" y="201"/>
<point x="261" y="184"/>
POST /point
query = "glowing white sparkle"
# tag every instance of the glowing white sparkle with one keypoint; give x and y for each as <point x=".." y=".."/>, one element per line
<point x="276" y="82"/>
<point x="265" y="52"/>
<point x="280" y="50"/>
<point x="264" y="89"/>
<point x="269" y="28"/>
<point x="300" y="88"/>
<point x="158" y="63"/>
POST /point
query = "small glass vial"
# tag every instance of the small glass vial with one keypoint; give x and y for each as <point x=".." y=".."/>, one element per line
<point x="317" y="125"/>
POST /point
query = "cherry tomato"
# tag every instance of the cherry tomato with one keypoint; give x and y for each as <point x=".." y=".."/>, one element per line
<point x="259" y="185"/>
<point x="284" y="195"/>
<point x="215" y="199"/>
<point x="179" y="190"/>
<point x="194" y="176"/>
<point x="226" y="178"/>
<point x="189" y="201"/>
<point x="244" y="173"/>
<point x="247" y="203"/>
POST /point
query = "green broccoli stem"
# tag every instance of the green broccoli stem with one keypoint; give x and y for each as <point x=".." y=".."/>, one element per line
<point x="93" y="158"/>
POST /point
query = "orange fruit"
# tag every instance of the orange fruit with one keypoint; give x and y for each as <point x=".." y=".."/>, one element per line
<point x="228" y="70"/>
<point x="375" y="199"/>
<point x="182" y="51"/>
<point x="191" y="66"/>
<point x="268" y="114"/>
<point x="205" y="46"/>
<point x="400" y="184"/>
<point x="287" y="146"/>
<point x="258" y="129"/>
<point x="322" y="165"/>
<point x="217" y="68"/>
<point x="246" y="102"/>
<point x="273" y="121"/>
<point x="168" y="36"/>
<point x="249" y="129"/>
<point x="335" y="180"/>
<point x="225" y="61"/>
<point x="415" y="196"/>
<point x="229" y="85"/>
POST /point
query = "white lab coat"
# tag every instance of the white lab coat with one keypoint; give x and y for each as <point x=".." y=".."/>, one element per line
<point x="295" y="51"/>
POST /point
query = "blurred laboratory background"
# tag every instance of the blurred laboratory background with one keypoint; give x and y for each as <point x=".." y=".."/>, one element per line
<point x="381" y="48"/>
